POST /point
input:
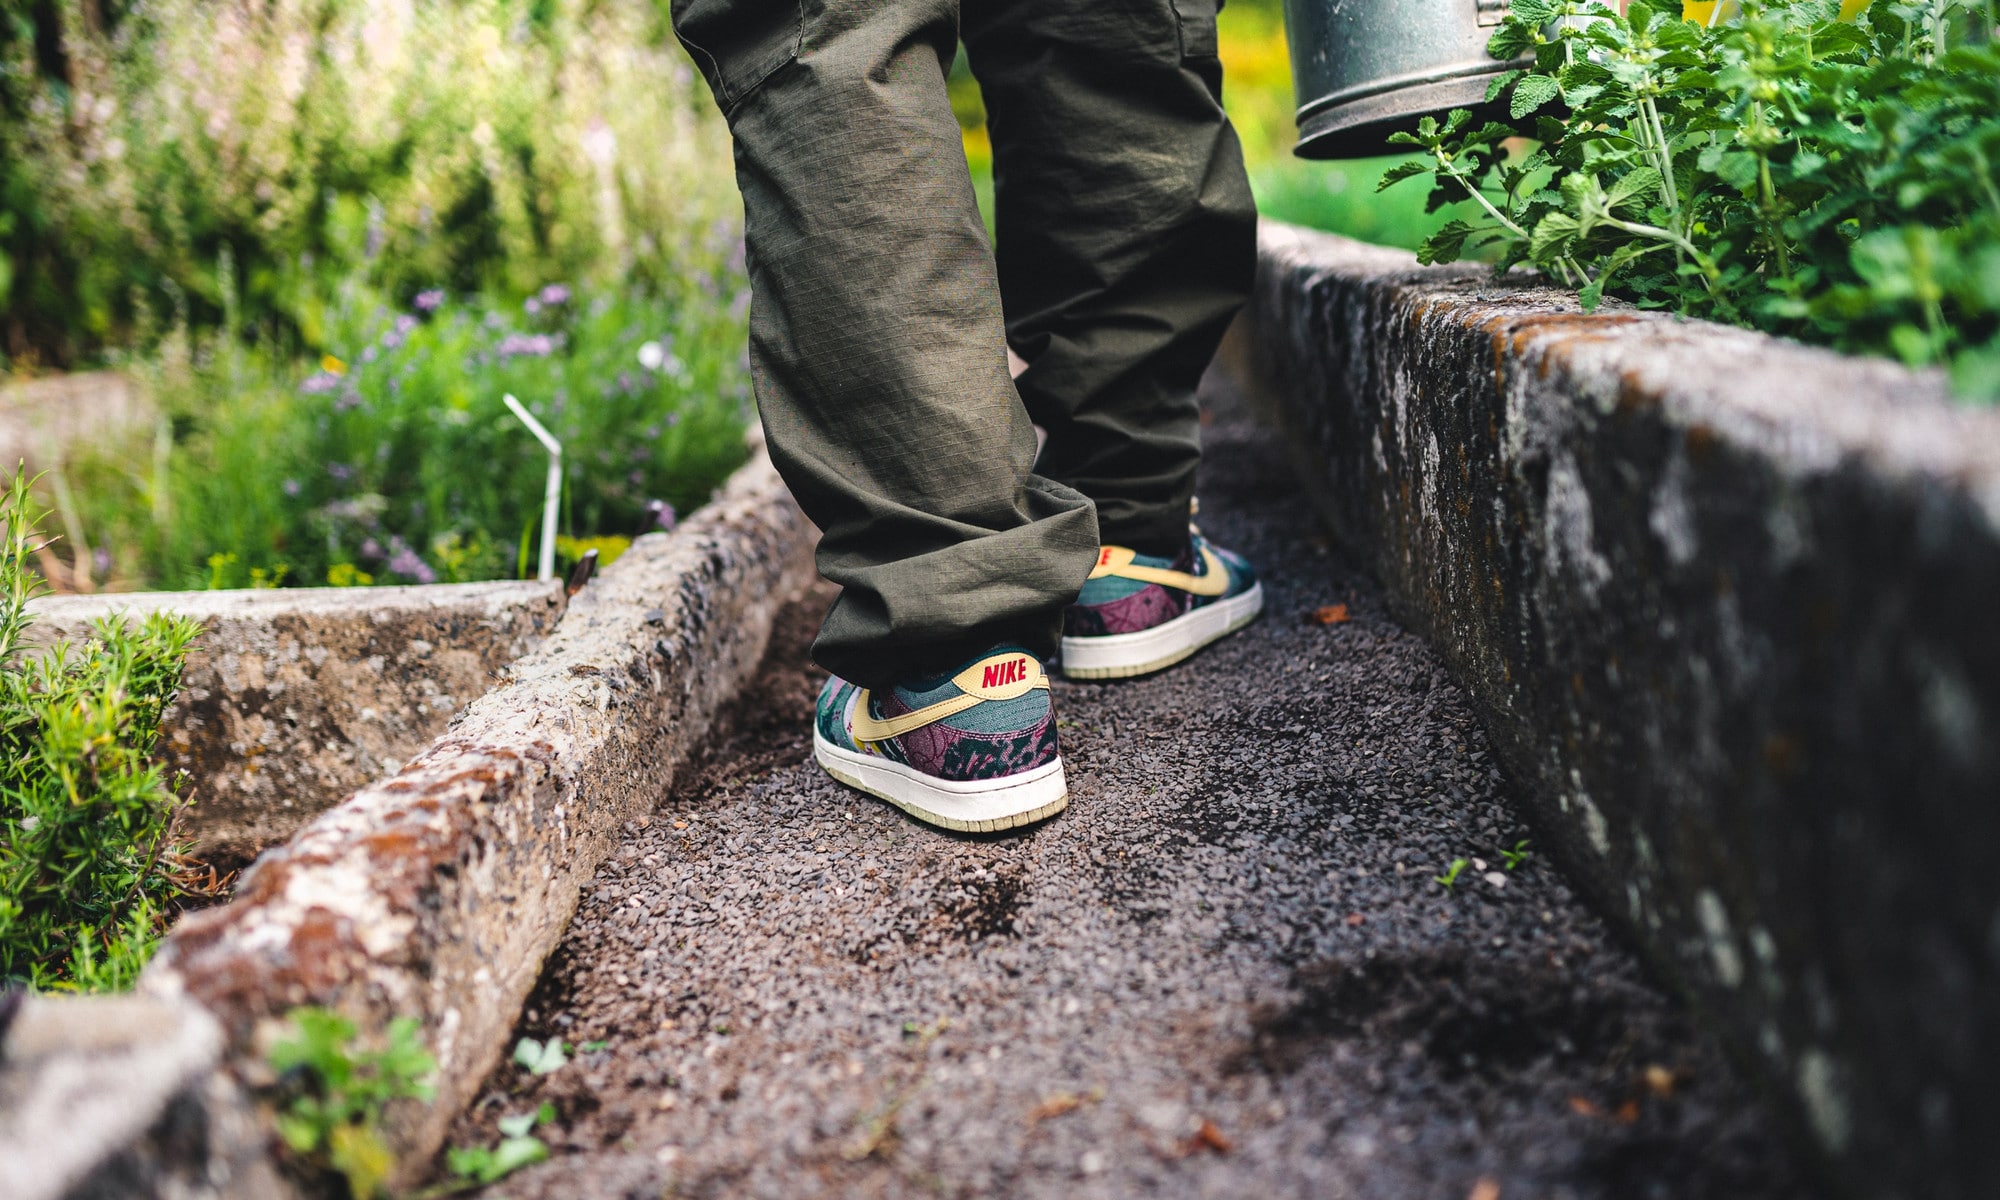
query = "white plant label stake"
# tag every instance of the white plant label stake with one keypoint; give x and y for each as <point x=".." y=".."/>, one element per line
<point x="552" y="495"/>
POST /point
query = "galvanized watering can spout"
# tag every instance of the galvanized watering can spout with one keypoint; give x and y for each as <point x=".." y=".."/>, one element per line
<point x="1364" y="69"/>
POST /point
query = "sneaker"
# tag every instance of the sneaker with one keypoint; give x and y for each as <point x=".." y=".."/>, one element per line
<point x="974" y="750"/>
<point x="1137" y="614"/>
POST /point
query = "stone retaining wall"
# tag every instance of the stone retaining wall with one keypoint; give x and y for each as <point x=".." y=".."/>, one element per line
<point x="295" y="697"/>
<point x="1730" y="610"/>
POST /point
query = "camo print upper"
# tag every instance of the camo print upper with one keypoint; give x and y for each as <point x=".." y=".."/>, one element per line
<point x="1111" y="605"/>
<point x="988" y="741"/>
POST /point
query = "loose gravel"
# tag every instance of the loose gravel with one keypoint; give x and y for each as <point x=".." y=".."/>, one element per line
<point x="1230" y="969"/>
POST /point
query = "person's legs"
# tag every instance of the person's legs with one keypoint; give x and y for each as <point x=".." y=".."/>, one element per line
<point x="1126" y="239"/>
<point x="876" y="336"/>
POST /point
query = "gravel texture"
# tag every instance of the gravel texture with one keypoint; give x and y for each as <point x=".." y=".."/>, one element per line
<point x="1227" y="970"/>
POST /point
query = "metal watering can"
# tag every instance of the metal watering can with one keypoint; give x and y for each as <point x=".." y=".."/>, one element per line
<point x="1363" y="69"/>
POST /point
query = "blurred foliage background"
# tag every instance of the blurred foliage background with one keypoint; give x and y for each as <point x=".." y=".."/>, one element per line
<point x="1257" y="91"/>
<point x="325" y="236"/>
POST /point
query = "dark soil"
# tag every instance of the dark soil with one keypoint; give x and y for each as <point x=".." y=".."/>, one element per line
<point x="1228" y="970"/>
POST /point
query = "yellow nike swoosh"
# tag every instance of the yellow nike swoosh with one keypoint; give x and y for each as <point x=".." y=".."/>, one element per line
<point x="998" y="677"/>
<point x="1213" y="581"/>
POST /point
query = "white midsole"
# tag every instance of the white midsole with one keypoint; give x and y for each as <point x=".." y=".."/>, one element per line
<point x="1165" y="643"/>
<point x="973" y="804"/>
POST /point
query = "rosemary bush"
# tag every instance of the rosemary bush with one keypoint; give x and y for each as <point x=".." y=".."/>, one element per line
<point x="1781" y="168"/>
<point x="86" y="815"/>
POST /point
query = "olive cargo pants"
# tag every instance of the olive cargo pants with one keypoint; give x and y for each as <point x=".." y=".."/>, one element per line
<point x="1126" y="242"/>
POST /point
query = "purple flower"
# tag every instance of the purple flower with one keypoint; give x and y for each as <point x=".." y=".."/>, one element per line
<point x="350" y="399"/>
<point x="405" y="322"/>
<point x="534" y="304"/>
<point x="636" y="478"/>
<point x="324" y="381"/>
<point x="405" y="562"/>
<point x="371" y="549"/>
<point x="540" y="345"/>
<point x="102" y="558"/>
<point x="341" y="472"/>
<point x="428" y="301"/>
<point x="291" y="487"/>
<point x="555" y="294"/>
<point x="662" y="514"/>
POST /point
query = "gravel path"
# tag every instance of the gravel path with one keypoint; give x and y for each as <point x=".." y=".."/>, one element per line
<point x="1227" y="970"/>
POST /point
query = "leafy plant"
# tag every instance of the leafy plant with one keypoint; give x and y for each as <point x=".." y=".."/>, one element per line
<point x="540" y="1058"/>
<point x="1783" y="169"/>
<point x="86" y="814"/>
<point x="1451" y="873"/>
<point x="227" y="162"/>
<point x="481" y="1165"/>
<point x="338" y="1091"/>
<point x="393" y="460"/>
<point x="1510" y="859"/>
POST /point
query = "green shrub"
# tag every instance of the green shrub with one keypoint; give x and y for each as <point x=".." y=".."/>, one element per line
<point x="395" y="461"/>
<point x="215" y="162"/>
<point x="1835" y="181"/>
<point x="335" y="1092"/>
<point x="86" y="814"/>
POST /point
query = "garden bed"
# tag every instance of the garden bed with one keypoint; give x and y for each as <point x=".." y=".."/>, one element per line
<point x="1724" y="604"/>
<point x="293" y="698"/>
<point x="435" y="892"/>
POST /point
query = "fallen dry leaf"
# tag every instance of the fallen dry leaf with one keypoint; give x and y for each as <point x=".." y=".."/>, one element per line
<point x="1487" y="1188"/>
<point x="1054" y="1106"/>
<point x="1659" y="1080"/>
<point x="1332" y="614"/>
<point x="1355" y="918"/>
<point x="1626" y="1113"/>
<point x="1582" y="1106"/>
<point x="1208" y="1137"/>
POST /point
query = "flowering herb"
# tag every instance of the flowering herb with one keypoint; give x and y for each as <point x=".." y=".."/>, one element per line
<point x="1836" y="181"/>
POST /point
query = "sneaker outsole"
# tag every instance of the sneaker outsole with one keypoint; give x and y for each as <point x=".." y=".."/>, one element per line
<point x="970" y="806"/>
<point x="1124" y="655"/>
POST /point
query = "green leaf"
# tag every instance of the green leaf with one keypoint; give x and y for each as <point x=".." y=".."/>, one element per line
<point x="540" y="1058"/>
<point x="1737" y="168"/>
<point x="1531" y="93"/>
<point x="1510" y="41"/>
<point x="517" y="1125"/>
<point x="1640" y="183"/>
<point x="1533" y="12"/>
<point x="511" y="1155"/>
<point x="1445" y="245"/>
<point x="1551" y="238"/>
<point x="1401" y="171"/>
<point x="1494" y="90"/>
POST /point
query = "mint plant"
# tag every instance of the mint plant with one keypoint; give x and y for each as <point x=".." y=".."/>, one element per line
<point x="86" y="813"/>
<point x="1835" y="181"/>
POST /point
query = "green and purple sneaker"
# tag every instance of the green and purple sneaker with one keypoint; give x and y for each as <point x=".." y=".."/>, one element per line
<point x="1137" y="614"/>
<point x="973" y="750"/>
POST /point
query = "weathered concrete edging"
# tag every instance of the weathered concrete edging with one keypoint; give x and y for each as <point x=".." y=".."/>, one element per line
<point x="295" y="697"/>
<point x="118" y="1096"/>
<point x="1727" y="606"/>
<point x="438" y="891"/>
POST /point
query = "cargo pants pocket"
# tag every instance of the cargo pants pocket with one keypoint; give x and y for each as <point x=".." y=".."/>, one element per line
<point x="738" y="44"/>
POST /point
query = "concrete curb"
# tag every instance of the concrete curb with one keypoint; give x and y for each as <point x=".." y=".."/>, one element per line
<point x="118" y="1096"/>
<point x="1726" y="606"/>
<point x="295" y="697"/>
<point x="438" y="891"/>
